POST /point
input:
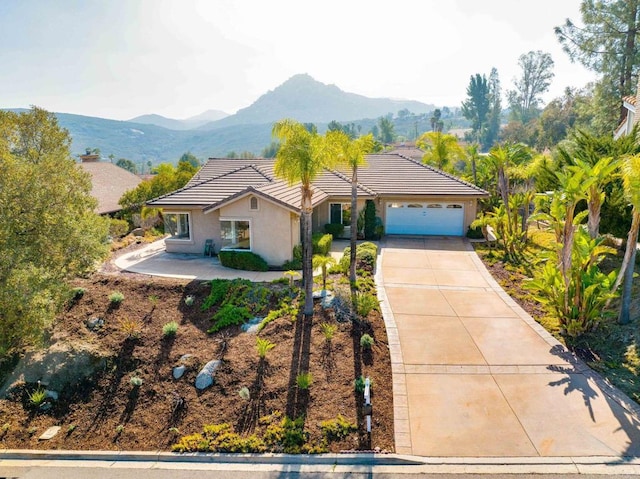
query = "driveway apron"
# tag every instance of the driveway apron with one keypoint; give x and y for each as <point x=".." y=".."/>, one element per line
<point x="475" y="375"/>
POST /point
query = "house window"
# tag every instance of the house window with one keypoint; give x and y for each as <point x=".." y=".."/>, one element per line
<point x="177" y="225"/>
<point x="457" y="207"/>
<point x="395" y="205"/>
<point x="434" y="205"/>
<point x="414" y="205"/>
<point x="253" y="203"/>
<point x="340" y="213"/>
<point x="235" y="234"/>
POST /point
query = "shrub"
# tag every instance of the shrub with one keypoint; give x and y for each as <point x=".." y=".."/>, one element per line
<point x="328" y="331"/>
<point x="366" y="256"/>
<point x="136" y="381"/>
<point x="304" y="380"/>
<point x="77" y="293"/>
<point x="229" y="315"/>
<point x="263" y="346"/>
<point x="189" y="300"/>
<point x="119" y="429"/>
<point x="334" y="229"/>
<point x="337" y="429"/>
<point x="219" y="290"/>
<point x="38" y="397"/>
<point x="369" y="220"/>
<point x="244" y="393"/>
<point x="118" y="228"/>
<point x="366" y="341"/>
<point x="365" y="303"/>
<point x="170" y="329"/>
<point x="116" y="297"/>
<point x="130" y="327"/>
<point x="322" y="243"/>
<point x="475" y="233"/>
<point x="244" y="260"/>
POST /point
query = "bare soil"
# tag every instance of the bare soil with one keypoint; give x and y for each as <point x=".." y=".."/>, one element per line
<point x="107" y="412"/>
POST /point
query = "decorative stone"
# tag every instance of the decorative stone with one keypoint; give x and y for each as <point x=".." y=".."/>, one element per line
<point x="251" y="326"/>
<point x="327" y="300"/>
<point x="206" y="374"/>
<point x="179" y="371"/>
<point x="49" y="433"/>
<point x="138" y="232"/>
<point x="94" y="323"/>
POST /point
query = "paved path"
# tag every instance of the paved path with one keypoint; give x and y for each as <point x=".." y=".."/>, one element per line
<point x="474" y="375"/>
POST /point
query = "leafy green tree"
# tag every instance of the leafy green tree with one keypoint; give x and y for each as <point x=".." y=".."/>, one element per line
<point x="127" y="165"/>
<point x="436" y="123"/>
<point x="352" y="155"/>
<point x="495" y="109"/>
<point x="534" y="80"/>
<point x="441" y="149"/>
<point x="191" y="159"/>
<point x="477" y="106"/>
<point x="271" y="150"/>
<point x="386" y="129"/>
<point x="607" y="43"/>
<point x="302" y="156"/>
<point x="50" y="232"/>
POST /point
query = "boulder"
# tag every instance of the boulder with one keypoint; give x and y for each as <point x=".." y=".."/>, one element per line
<point x="139" y="232"/>
<point x="179" y="371"/>
<point x="251" y="326"/>
<point x="206" y="374"/>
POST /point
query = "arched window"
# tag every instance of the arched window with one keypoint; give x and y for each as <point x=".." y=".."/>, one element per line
<point x="253" y="203"/>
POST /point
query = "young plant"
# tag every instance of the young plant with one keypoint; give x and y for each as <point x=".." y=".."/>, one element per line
<point x="323" y="262"/>
<point x="153" y="299"/>
<point x="244" y="393"/>
<point x="263" y="346"/>
<point x="119" y="429"/>
<point x="304" y="380"/>
<point x="131" y="327"/>
<point x="136" y="381"/>
<point x="116" y="298"/>
<point x="77" y="293"/>
<point x="71" y="428"/>
<point x="366" y="341"/>
<point x="189" y="300"/>
<point x="359" y="384"/>
<point x="292" y="276"/>
<point x="365" y="303"/>
<point x="170" y="329"/>
<point x="328" y="331"/>
<point x="38" y="397"/>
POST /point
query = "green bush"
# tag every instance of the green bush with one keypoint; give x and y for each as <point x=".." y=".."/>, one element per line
<point x="229" y="315"/>
<point x="304" y="380"/>
<point x="244" y="260"/>
<point x="116" y="297"/>
<point x="366" y="341"/>
<point x="38" y="397"/>
<point x="170" y="329"/>
<point x="365" y="303"/>
<point x="322" y="243"/>
<point x="337" y="429"/>
<point x="334" y="229"/>
<point x="118" y="228"/>
<point x="366" y="256"/>
<point x="370" y="220"/>
<point x="475" y="233"/>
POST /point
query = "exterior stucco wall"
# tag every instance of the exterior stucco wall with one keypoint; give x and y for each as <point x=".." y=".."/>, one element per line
<point x="470" y="205"/>
<point x="202" y="227"/>
<point x="274" y="229"/>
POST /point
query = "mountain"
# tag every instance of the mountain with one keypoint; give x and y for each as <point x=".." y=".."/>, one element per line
<point x="186" y="124"/>
<point x="307" y="100"/>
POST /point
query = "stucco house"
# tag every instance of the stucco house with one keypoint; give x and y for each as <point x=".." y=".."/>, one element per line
<point x="241" y="205"/>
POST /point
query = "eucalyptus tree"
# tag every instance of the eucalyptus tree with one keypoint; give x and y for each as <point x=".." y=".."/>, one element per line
<point x="302" y="156"/>
<point x="534" y="80"/>
<point x="477" y="106"/>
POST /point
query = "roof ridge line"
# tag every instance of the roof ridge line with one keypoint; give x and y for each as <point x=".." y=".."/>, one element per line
<point x="444" y="173"/>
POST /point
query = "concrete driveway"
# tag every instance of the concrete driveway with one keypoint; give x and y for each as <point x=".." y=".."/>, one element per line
<point x="474" y="375"/>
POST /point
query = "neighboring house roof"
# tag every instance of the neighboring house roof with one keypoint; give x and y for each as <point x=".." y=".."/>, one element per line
<point x="412" y="152"/>
<point x="109" y="182"/>
<point x="221" y="181"/>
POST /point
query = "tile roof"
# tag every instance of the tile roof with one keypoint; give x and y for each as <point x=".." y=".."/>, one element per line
<point x="631" y="99"/>
<point x="222" y="180"/>
<point x="109" y="182"/>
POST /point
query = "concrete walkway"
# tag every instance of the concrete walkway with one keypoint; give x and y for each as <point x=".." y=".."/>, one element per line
<point x="475" y="375"/>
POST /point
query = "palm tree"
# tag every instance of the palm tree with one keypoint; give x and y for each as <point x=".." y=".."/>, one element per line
<point x="631" y="182"/>
<point x="441" y="149"/>
<point x="301" y="158"/>
<point x="353" y="155"/>
<point x="323" y="262"/>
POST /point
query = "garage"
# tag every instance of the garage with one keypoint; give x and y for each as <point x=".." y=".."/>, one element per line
<point x="425" y="218"/>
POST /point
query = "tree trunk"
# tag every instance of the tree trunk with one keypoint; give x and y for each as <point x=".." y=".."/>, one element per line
<point x="567" y="249"/>
<point x="354" y="226"/>
<point x="627" y="269"/>
<point x="307" y="251"/>
<point x="593" y="222"/>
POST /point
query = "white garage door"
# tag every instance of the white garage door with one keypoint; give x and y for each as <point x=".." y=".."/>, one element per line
<point x="432" y="218"/>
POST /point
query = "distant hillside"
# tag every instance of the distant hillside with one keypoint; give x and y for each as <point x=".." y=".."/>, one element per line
<point x="307" y="100"/>
<point x="186" y="124"/>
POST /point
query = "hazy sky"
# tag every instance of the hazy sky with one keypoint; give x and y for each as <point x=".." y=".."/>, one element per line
<point x="123" y="58"/>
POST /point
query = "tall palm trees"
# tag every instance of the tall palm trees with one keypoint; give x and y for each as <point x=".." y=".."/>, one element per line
<point x="302" y="156"/>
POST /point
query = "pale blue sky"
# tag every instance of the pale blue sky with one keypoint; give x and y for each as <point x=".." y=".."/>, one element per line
<point x="123" y="58"/>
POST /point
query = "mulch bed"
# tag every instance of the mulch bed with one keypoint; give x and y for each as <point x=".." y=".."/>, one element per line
<point x="107" y="412"/>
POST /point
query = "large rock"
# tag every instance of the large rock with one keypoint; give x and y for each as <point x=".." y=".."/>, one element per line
<point x="60" y="366"/>
<point x="179" y="371"/>
<point x="206" y="374"/>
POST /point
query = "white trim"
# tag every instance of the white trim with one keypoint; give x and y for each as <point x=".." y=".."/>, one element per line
<point x="235" y="218"/>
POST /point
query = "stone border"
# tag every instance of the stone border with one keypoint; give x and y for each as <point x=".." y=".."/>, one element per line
<point x="401" y="426"/>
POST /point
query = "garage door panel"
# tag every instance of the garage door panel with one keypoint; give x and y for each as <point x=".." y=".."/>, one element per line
<point x="434" y="218"/>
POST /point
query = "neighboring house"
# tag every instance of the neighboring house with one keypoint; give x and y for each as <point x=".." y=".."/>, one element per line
<point x="625" y="127"/>
<point x="241" y="205"/>
<point x="109" y="182"/>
